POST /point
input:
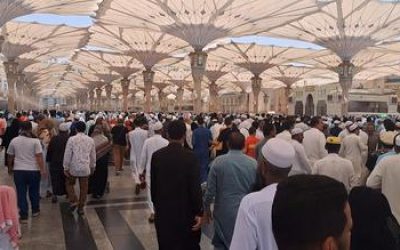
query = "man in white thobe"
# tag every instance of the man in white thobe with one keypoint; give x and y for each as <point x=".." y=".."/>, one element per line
<point x="335" y="166"/>
<point x="253" y="227"/>
<point x="259" y="132"/>
<point x="301" y="165"/>
<point x="216" y="129"/>
<point x="136" y="140"/>
<point x="187" y="118"/>
<point x="364" y="139"/>
<point x="352" y="149"/>
<point x="246" y="123"/>
<point x="151" y="145"/>
<point x="314" y="141"/>
<point x="345" y="132"/>
<point x="286" y="135"/>
<point x="386" y="176"/>
<point x="244" y="126"/>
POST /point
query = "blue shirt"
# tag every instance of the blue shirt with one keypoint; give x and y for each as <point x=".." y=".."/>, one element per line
<point x="201" y="139"/>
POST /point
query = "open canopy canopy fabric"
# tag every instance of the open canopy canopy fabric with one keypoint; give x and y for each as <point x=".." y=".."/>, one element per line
<point x="201" y="22"/>
<point x="156" y="47"/>
<point x="347" y="27"/>
<point x="259" y="58"/>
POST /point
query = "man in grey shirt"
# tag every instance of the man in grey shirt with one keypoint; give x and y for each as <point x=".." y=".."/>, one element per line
<point x="231" y="177"/>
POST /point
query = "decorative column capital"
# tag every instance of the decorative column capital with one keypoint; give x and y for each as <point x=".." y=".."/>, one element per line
<point x="180" y="91"/>
<point x="256" y="84"/>
<point x="108" y="89"/>
<point x="99" y="91"/>
<point x="198" y="59"/>
<point x="148" y="76"/>
<point x="346" y="70"/>
<point x="11" y="67"/>
<point x="213" y="88"/>
<point x="91" y="93"/>
<point x="125" y="85"/>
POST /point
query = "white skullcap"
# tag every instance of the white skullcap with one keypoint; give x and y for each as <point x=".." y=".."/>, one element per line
<point x="298" y="120"/>
<point x="64" y="126"/>
<point x="279" y="152"/>
<point x="30" y="118"/>
<point x="387" y="137"/>
<point x="302" y="126"/>
<point x="243" y="116"/>
<point x="336" y="122"/>
<point x="353" y="127"/>
<point x="348" y="124"/>
<point x="397" y="141"/>
<point x="157" y="126"/>
<point x="77" y="117"/>
<point x="297" y="131"/>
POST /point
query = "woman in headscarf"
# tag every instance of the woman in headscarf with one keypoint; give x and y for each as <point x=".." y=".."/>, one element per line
<point x="45" y="136"/>
<point x="98" y="181"/>
<point x="55" y="158"/>
<point x="10" y="134"/>
<point x="374" y="226"/>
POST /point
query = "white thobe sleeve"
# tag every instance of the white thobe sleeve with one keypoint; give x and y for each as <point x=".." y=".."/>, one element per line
<point x="341" y="151"/>
<point x="315" y="168"/>
<point x="375" y="179"/>
<point x="353" y="179"/>
<point x="304" y="160"/>
<point x="144" y="157"/>
<point x="322" y="142"/>
<point x="363" y="147"/>
<point x="244" y="235"/>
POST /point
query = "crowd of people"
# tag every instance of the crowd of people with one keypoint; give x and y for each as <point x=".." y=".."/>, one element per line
<point x="264" y="181"/>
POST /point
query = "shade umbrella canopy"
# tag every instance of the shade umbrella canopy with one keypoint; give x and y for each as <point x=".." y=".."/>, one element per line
<point x="148" y="47"/>
<point x="201" y="22"/>
<point x="347" y="27"/>
<point x="10" y="9"/>
<point x="258" y="58"/>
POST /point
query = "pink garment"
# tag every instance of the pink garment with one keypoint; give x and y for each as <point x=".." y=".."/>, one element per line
<point x="9" y="214"/>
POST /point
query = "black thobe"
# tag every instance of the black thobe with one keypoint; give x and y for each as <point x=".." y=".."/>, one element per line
<point x="176" y="194"/>
<point x="11" y="133"/>
<point x="55" y="158"/>
<point x="98" y="181"/>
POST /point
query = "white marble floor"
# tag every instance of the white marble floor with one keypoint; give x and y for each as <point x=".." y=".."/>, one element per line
<point x="117" y="221"/>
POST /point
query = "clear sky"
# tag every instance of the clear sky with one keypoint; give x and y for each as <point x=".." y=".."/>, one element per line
<point x="85" y="21"/>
